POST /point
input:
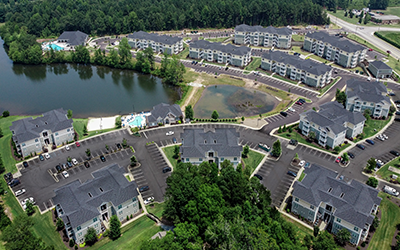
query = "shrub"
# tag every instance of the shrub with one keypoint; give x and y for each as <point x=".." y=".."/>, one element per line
<point x="71" y="243"/>
<point x="363" y="244"/>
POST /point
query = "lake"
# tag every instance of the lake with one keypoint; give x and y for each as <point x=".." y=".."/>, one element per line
<point x="86" y="90"/>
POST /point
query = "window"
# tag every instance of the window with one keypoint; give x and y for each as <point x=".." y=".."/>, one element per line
<point x="310" y="213"/>
<point x="356" y="229"/>
<point x="235" y="159"/>
<point x="312" y="207"/>
<point x="215" y="141"/>
<point x="120" y="206"/>
<point x="95" y="219"/>
<point x="222" y="159"/>
<point x="68" y="130"/>
<point x="103" y="207"/>
<point x="296" y="199"/>
<point x="187" y="159"/>
<point x="56" y="134"/>
<point x="338" y="220"/>
<point x="200" y="159"/>
<point x="23" y="144"/>
<point x="79" y="234"/>
<point x="330" y="189"/>
<point x="134" y="199"/>
<point x="36" y="140"/>
<point x="78" y="228"/>
<point x="120" y="212"/>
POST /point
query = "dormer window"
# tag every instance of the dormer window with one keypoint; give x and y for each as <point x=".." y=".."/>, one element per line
<point x="205" y="141"/>
<point x="90" y="195"/>
<point x="215" y="141"/>
<point x="341" y="195"/>
<point x="329" y="190"/>
<point x="101" y="189"/>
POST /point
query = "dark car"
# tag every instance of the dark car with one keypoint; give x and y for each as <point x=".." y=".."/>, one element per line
<point x="283" y="113"/>
<point x="258" y="176"/>
<point x="397" y="119"/>
<point x="166" y="169"/>
<point x="351" y="155"/>
<point x="395" y="153"/>
<point x="292" y="173"/>
<point x="87" y="165"/>
<point x="14" y="182"/>
<point x="293" y="142"/>
<point x="41" y="157"/>
<point x="59" y="168"/>
<point x="397" y="101"/>
<point x="144" y="188"/>
<point x="360" y="146"/>
<point x="69" y="164"/>
<point x="102" y="158"/>
<point x="119" y="146"/>
<point x="302" y="100"/>
<point x="25" y="164"/>
<point x="8" y="177"/>
<point x="370" y="141"/>
<point x="397" y="113"/>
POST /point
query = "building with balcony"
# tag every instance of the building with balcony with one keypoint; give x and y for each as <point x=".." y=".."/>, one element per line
<point x="159" y="43"/>
<point x="211" y="145"/>
<point x="380" y="69"/>
<point x="267" y="37"/>
<point x="307" y="71"/>
<point x="73" y="38"/>
<point x="362" y="95"/>
<point x="325" y="196"/>
<point x="31" y="135"/>
<point x="331" y="124"/>
<point x="238" y="56"/>
<point x="87" y="205"/>
<point x="340" y="50"/>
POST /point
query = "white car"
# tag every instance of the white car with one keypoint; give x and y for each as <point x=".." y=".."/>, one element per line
<point x="65" y="174"/>
<point x="67" y="147"/>
<point x="380" y="162"/>
<point x="385" y="136"/>
<point x="46" y="155"/>
<point x="302" y="163"/>
<point x="380" y="137"/>
<point x="170" y="133"/>
<point x="291" y="109"/>
<point x="19" y="192"/>
<point x="149" y="200"/>
<point x="74" y="161"/>
<point x="30" y="199"/>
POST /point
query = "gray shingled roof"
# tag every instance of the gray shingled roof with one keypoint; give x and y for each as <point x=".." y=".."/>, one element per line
<point x="74" y="37"/>
<point x="306" y="65"/>
<point x="165" y="39"/>
<point x="162" y="110"/>
<point x="29" y="128"/>
<point x="197" y="142"/>
<point x="367" y="91"/>
<point x="333" y="116"/>
<point x="79" y="207"/>
<point x="356" y="204"/>
<point x="269" y="29"/>
<point x="380" y="65"/>
<point x="341" y="43"/>
<point x="228" y="48"/>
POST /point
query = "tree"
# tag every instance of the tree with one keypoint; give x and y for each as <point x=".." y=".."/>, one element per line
<point x="59" y="224"/>
<point x="189" y="113"/>
<point x="88" y="153"/>
<point x="4" y="220"/>
<point x="133" y="160"/>
<point x="214" y="115"/>
<point x="2" y="170"/>
<point x="341" y="97"/>
<point x="345" y="157"/>
<point x="371" y="164"/>
<point x="336" y="149"/>
<point x="296" y="156"/>
<point x="375" y="224"/>
<point x="115" y="228"/>
<point x="343" y="236"/>
<point x="316" y="231"/>
<point x="90" y="236"/>
<point x="308" y="241"/>
<point x="276" y="148"/>
<point x="124" y="51"/>
<point x="351" y="14"/>
<point x="345" y="13"/>
<point x="149" y="55"/>
<point x="69" y="114"/>
<point x="176" y="152"/>
<point x="29" y="208"/>
<point x="1" y="133"/>
<point x="6" y="113"/>
<point x="118" y="122"/>
<point x="242" y="118"/>
<point x="367" y="114"/>
<point x="85" y="131"/>
<point x="246" y="151"/>
<point x="372" y="181"/>
<point x="324" y="241"/>
<point x="81" y="55"/>
<point x="312" y="136"/>
<point x="124" y="143"/>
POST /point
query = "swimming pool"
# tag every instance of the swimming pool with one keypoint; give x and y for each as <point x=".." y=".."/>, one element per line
<point x="55" y="47"/>
<point x="137" y="121"/>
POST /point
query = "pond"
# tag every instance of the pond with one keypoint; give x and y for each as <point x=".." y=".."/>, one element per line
<point x="232" y="101"/>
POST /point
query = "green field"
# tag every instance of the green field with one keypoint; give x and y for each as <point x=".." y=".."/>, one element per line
<point x="390" y="212"/>
<point x="185" y="51"/>
<point x="253" y="159"/>
<point x="254" y="64"/>
<point x="169" y="152"/>
<point x="384" y="172"/>
<point x="298" y="38"/>
<point x="393" y="37"/>
<point x="156" y="209"/>
<point x="371" y="125"/>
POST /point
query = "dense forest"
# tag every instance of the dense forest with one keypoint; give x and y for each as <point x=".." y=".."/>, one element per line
<point x="51" y="17"/>
<point x="353" y="4"/>
<point x="226" y="211"/>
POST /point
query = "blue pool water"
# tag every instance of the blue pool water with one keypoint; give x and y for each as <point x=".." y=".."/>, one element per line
<point x="55" y="47"/>
<point x="137" y="121"/>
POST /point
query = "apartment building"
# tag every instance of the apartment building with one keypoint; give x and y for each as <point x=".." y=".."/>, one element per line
<point x="325" y="196"/>
<point x="380" y="69"/>
<point x="159" y="43"/>
<point x="362" y="95"/>
<point x="307" y="71"/>
<point x="331" y="124"/>
<point x="333" y="48"/>
<point x="31" y="135"/>
<point x="164" y="113"/>
<point x="211" y="145"/>
<point x="87" y="205"/>
<point x="267" y="37"/>
<point x="238" y="56"/>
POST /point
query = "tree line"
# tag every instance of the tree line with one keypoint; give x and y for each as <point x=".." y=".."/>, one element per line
<point x="50" y="18"/>
<point x="226" y="210"/>
<point x="350" y="4"/>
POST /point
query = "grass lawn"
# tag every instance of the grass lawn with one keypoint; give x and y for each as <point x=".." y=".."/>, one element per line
<point x="253" y="159"/>
<point x="78" y="126"/>
<point x="284" y="79"/>
<point x="133" y="235"/>
<point x="394" y="64"/>
<point x="364" y="42"/>
<point x="298" y="50"/>
<point x="218" y="39"/>
<point x="169" y="152"/>
<point x="298" y="38"/>
<point x="384" y="173"/>
<point x="302" y="176"/>
<point x="319" y="59"/>
<point x="327" y="87"/>
<point x="185" y="52"/>
<point x="390" y="212"/>
<point x="254" y="64"/>
<point x="301" y="230"/>
<point x="391" y="36"/>
<point x="156" y="208"/>
<point x="372" y="127"/>
<point x="5" y="146"/>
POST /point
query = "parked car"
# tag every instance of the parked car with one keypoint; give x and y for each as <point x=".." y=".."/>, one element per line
<point x="293" y="142"/>
<point x="77" y="144"/>
<point x="394" y="153"/>
<point x="385" y="136"/>
<point x="67" y="147"/>
<point x="148" y="200"/>
<point x="41" y="157"/>
<point x="14" y="182"/>
<point x="370" y="49"/>
<point x="8" y="177"/>
<point x="87" y="165"/>
<point x="30" y="199"/>
<point x="307" y="165"/>
<point x="397" y="113"/>
<point x="397" y="119"/>
<point x="291" y="109"/>
<point x="370" y="141"/>
<point x="47" y="155"/>
<point x="19" y="192"/>
<point x="379" y="163"/>
<point x="174" y="140"/>
<point x="102" y="158"/>
<point x="390" y="190"/>
<point x="170" y="133"/>
<point x="65" y="174"/>
<point x="25" y="164"/>
<point x="360" y="146"/>
<point x="380" y="137"/>
<point x="64" y="166"/>
<point x="292" y="173"/>
<point x="388" y="51"/>
<point x="166" y="169"/>
<point x="74" y="161"/>
<point x="258" y="176"/>
<point x="119" y="146"/>
<point x="351" y="155"/>
<point x="299" y="103"/>
<point x="69" y="164"/>
<point x="397" y="101"/>
<point x="302" y="100"/>
<point x="144" y="188"/>
<point x="283" y="113"/>
<point x="302" y="163"/>
<point x="338" y="159"/>
<point x="58" y="168"/>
